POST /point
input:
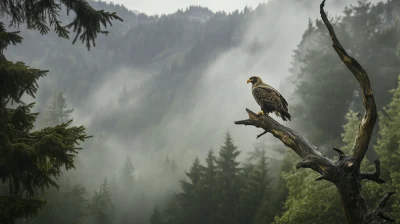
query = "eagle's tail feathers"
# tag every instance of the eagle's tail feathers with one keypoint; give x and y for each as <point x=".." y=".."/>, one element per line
<point x="283" y="114"/>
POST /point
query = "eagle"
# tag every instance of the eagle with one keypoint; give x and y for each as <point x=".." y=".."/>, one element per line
<point x="269" y="98"/>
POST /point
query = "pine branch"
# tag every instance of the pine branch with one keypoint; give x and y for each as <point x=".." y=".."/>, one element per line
<point x="17" y="79"/>
<point x="14" y="207"/>
<point x="88" y="21"/>
<point x="7" y="38"/>
<point x="42" y="15"/>
<point x="41" y="155"/>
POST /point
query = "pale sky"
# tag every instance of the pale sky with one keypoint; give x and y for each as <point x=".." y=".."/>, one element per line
<point x="152" y="7"/>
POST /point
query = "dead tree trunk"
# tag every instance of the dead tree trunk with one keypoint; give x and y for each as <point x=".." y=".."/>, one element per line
<point x="345" y="173"/>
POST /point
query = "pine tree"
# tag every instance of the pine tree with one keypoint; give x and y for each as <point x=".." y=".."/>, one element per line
<point x="228" y="183"/>
<point x="72" y="207"/>
<point x="31" y="160"/>
<point x="190" y="196"/>
<point x="125" y="193"/>
<point x="126" y="175"/>
<point x="173" y="212"/>
<point x="274" y="206"/>
<point x="208" y="185"/>
<point x="156" y="217"/>
<point x="388" y="148"/>
<point x="300" y="206"/>
<point x="101" y="207"/>
<point x="170" y="166"/>
<point x="255" y="190"/>
<point x="56" y="112"/>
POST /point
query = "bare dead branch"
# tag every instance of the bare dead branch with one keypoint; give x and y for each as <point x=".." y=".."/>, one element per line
<point x="340" y="152"/>
<point x="374" y="176"/>
<point x="385" y="198"/>
<point x="363" y="137"/>
<point x="385" y="216"/>
<point x="265" y="132"/>
<point x="310" y="154"/>
<point x="322" y="177"/>
<point x="378" y="213"/>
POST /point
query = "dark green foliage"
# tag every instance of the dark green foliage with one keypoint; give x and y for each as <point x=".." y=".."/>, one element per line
<point x="17" y="79"/>
<point x="174" y="213"/>
<point x="156" y="217"/>
<point x="220" y="192"/>
<point x="255" y="191"/>
<point x="65" y="206"/>
<point x="32" y="160"/>
<point x="324" y="86"/>
<point x="43" y="15"/>
<point x="219" y="189"/>
<point x="13" y="207"/>
<point x="388" y="149"/>
<point x="228" y="183"/>
<point x="190" y="197"/>
<point x="209" y="184"/>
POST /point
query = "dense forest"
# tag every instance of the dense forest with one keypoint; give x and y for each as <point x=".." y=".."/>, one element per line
<point x="164" y="148"/>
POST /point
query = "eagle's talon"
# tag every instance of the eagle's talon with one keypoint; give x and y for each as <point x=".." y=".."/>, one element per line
<point x="260" y="113"/>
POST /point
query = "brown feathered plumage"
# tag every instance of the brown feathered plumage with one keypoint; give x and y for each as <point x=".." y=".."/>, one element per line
<point x="269" y="98"/>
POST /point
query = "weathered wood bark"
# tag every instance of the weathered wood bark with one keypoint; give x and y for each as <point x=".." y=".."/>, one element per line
<point x="344" y="174"/>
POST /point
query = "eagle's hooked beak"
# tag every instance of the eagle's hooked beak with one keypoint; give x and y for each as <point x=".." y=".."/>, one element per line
<point x="248" y="81"/>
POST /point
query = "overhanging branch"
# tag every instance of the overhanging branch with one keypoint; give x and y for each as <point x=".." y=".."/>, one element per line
<point x="363" y="137"/>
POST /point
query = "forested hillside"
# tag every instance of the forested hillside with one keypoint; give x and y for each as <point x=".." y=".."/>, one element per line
<point x="160" y="91"/>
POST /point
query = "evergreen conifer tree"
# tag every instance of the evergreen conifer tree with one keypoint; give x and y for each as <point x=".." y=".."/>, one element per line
<point x="125" y="193"/>
<point x="228" y="183"/>
<point x="126" y="176"/>
<point x="256" y="190"/>
<point x="56" y="112"/>
<point x="190" y="196"/>
<point x="101" y="207"/>
<point x="388" y="148"/>
<point x="31" y="160"/>
<point x="156" y="217"/>
<point x="208" y="185"/>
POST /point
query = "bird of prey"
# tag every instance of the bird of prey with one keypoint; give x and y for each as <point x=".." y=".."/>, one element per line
<point x="269" y="98"/>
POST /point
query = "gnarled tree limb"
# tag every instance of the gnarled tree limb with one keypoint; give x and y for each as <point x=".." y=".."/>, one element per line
<point x="340" y="152"/>
<point x="311" y="156"/>
<point x="368" y="122"/>
<point x="372" y="216"/>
